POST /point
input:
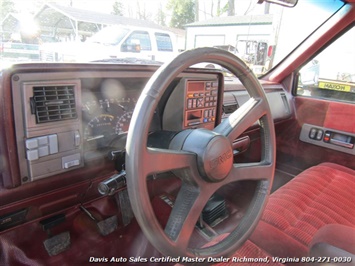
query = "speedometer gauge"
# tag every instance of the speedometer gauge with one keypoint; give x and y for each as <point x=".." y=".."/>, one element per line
<point x="123" y="123"/>
<point x="106" y="120"/>
<point x="101" y="129"/>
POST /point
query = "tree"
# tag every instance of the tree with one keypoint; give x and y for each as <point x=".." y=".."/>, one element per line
<point x="117" y="8"/>
<point x="160" y="16"/>
<point x="6" y="6"/>
<point x="231" y="9"/>
<point x="219" y="11"/>
<point x="197" y="10"/>
<point x="183" y="12"/>
<point x="142" y="12"/>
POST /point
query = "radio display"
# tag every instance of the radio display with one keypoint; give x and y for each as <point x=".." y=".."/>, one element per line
<point x="195" y="86"/>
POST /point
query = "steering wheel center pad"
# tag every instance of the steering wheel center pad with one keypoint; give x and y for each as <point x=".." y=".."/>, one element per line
<point x="213" y="151"/>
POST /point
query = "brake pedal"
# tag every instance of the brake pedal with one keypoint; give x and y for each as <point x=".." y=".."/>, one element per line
<point x="107" y="226"/>
<point x="104" y="227"/>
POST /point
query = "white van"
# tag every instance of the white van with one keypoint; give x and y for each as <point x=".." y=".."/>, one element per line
<point x="114" y="42"/>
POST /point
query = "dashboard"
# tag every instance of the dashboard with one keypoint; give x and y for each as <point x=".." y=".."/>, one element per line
<point x="66" y="120"/>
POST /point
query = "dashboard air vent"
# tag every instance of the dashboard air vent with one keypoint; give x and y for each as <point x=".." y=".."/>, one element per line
<point x="53" y="103"/>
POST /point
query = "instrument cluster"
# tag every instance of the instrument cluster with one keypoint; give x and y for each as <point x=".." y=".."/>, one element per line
<point x="106" y="113"/>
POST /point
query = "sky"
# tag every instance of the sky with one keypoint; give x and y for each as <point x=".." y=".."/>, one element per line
<point x="131" y="6"/>
<point x="104" y="6"/>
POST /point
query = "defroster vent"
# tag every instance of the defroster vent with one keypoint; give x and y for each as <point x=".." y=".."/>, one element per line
<point x="53" y="103"/>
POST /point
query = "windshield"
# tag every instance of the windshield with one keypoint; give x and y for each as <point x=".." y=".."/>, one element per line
<point x="109" y="36"/>
<point x="261" y="34"/>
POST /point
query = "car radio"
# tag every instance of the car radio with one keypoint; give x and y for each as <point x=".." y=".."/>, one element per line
<point x="200" y="104"/>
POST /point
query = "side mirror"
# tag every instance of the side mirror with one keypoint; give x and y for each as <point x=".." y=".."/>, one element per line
<point x="309" y="74"/>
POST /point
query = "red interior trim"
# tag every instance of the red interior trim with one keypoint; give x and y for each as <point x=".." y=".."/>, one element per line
<point x="340" y="116"/>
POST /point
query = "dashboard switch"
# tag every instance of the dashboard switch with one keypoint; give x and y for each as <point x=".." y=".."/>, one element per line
<point x="53" y="143"/>
<point x="71" y="161"/>
<point x="327" y="137"/>
<point x="32" y="155"/>
<point x="31" y="143"/>
<point x="43" y="140"/>
<point x="43" y="151"/>
<point x="77" y="138"/>
<point x="319" y="135"/>
<point x="312" y="133"/>
<point x="71" y="164"/>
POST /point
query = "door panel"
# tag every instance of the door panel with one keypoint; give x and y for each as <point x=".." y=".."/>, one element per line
<point x="340" y="116"/>
<point x="324" y="125"/>
<point x="319" y="113"/>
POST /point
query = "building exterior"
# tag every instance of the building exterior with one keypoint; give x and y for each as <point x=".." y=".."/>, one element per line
<point x="56" y="23"/>
<point x="229" y="30"/>
<point x="66" y="22"/>
<point x="252" y="38"/>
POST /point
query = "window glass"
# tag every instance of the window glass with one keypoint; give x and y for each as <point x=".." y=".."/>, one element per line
<point x="109" y="36"/>
<point x="163" y="42"/>
<point x="331" y="74"/>
<point x="262" y="34"/>
<point x="142" y="37"/>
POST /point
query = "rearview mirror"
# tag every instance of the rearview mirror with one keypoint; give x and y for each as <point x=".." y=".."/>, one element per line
<point x="286" y="3"/>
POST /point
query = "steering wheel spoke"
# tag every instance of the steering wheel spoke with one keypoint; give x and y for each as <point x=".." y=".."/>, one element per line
<point x="163" y="160"/>
<point x="250" y="171"/>
<point x="242" y="119"/>
<point x="185" y="213"/>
